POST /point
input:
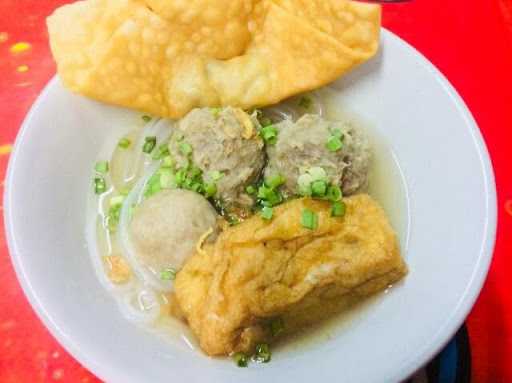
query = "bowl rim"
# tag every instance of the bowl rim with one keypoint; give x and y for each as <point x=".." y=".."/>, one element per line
<point x="438" y="340"/>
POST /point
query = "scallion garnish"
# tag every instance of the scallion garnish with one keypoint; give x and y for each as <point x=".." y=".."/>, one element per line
<point x="338" y="209"/>
<point x="167" y="180"/>
<point x="309" y="219"/>
<point x="318" y="173"/>
<point x="334" y="144"/>
<point x="336" y="132"/>
<point x="268" y="196"/>
<point x="216" y="111"/>
<point x="275" y="181"/>
<point x="262" y="354"/>
<point x="149" y="144"/>
<point x="250" y="190"/>
<point x="168" y="274"/>
<point x="161" y="152"/>
<point x="168" y="162"/>
<point x="233" y="220"/>
<point x="333" y="193"/>
<point x="315" y="175"/>
<point x="124" y="143"/>
<point x="116" y="201"/>
<point x="269" y="134"/>
<point x="185" y="148"/>
<point x="100" y="185"/>
<point x="216" y="175"/>
<point x="241" y="359"/>
<point x="276" y="326"/>
<point x="197" y="187"/>
<point x="267" y="212"/>
<point x="194" y="172"/>
<point x="318" y="188"/>
<point x="210" y="190"/>
<point x="146" y="118"/>
<point x="101" y="167"/>
<point x="112" y="219"/>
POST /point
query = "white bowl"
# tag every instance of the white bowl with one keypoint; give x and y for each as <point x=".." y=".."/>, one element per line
<point x="448" y="237"/>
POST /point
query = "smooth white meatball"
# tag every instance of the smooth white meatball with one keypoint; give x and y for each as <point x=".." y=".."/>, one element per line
<point x="166" y="228"/>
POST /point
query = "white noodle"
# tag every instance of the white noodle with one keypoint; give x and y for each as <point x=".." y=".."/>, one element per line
<point x="140" y="306"/>
<point x="290" y="109"/>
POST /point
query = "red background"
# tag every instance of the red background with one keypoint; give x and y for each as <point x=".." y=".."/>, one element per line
<point x="470" y="41"/>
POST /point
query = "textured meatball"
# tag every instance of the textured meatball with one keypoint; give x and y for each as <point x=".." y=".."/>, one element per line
<point x="225" y="146"/>
<point x="302" y="145"/>
<point x="166" y="228"/>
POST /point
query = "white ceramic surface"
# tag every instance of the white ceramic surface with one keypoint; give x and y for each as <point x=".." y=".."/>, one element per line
<point x="452" y="224"/>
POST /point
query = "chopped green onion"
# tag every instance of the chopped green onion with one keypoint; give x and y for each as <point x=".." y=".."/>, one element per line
<point x="101" y="167"/>
<point x="336" y="132"/>
<point x="338" y="209"/>
<point x="161" y="152"/>
<point x="100" y="186"/>
<point x="167" y="180"/>
<point x="185" y="148"/>
<point x="168" y="162"/>
<point x="305" y="102"/>
<point x="168" y="274"/>
<point x="275" y="181"/>
<point x="276" y="326"/>
<point x="112" y="219"/>
<point x="146" y="118"/>
<point x="334" y="193"/>
<point x="210" y="189"/>
<point x="309" y="219"/>
<point x="250" y="189"/>
<point x="216" y="111"/>
<point x="269" y="197"/>
<point x="263" y="192"/>
<point x="153" y="185"/>
<point x="266" y="213"/>
<point x="318" y="188"/>
<point x="117" y="200"/>
<point x="233" y="220"/>
<point x="195" y="172"/>
<point x="334" y="144"/>
<point x="317" y="174"/>
<point x="197" y="187"/>
<point x="216" y="175"/>
<point x="263" y="354"/>
<point x="149" y="144"/>
<point x="180" y="177"/>
<point x="241" y="359"/>
<point x="304" y="181"/>
<point x="269" y="134"/>
<point x="187" y="184"/>
<point x="124" y="143"/>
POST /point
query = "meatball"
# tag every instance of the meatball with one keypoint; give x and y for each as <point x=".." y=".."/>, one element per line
<point x="166" y="228"/>
<point x="302" y="145"/>
<point x="225" y="146"/>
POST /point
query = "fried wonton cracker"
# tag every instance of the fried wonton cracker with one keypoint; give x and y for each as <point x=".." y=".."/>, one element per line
<point x="166" y="57"/>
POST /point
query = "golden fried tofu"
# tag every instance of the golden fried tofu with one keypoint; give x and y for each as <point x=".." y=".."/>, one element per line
<point x="261" y="270"/>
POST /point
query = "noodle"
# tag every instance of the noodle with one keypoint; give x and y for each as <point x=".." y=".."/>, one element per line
<point x="291" y="109"/>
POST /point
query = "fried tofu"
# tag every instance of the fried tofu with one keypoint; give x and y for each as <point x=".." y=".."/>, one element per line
<point x="259" y="270"/>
